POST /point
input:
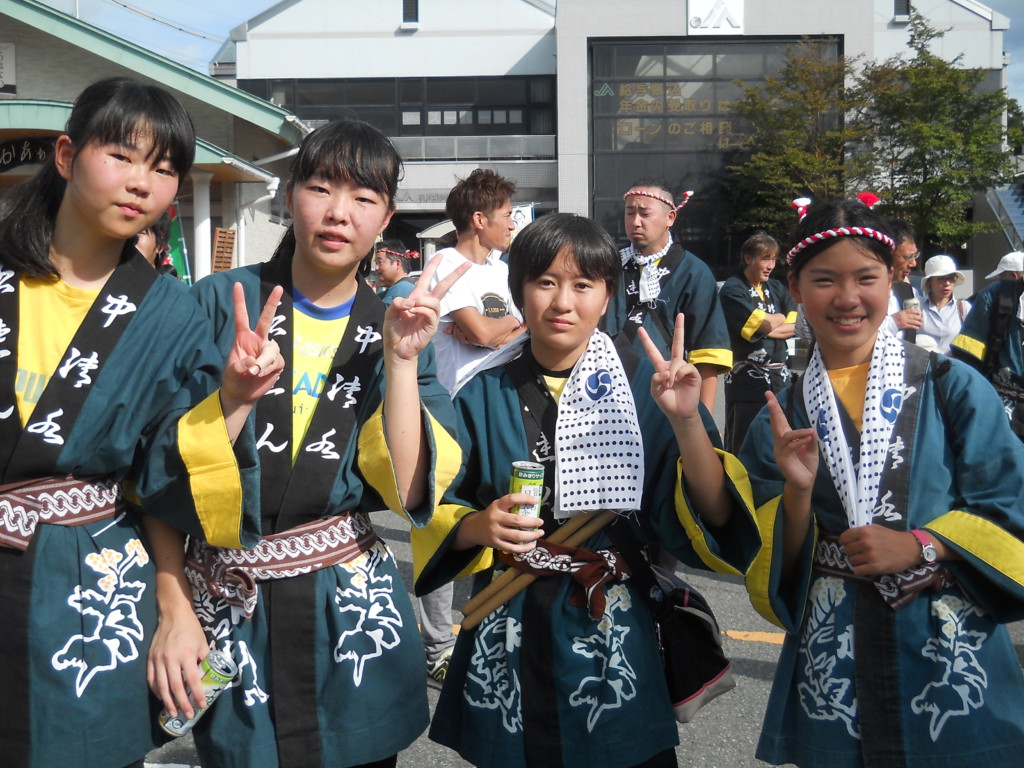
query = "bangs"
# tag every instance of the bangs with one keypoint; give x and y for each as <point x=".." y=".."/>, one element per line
<point x="353" y="152"/>
<point x="121" y="111"/>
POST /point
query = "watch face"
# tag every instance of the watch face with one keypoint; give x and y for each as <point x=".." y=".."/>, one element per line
<point x="929" y="553"/>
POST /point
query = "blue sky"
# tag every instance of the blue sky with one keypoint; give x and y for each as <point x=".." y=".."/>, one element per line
<point x="215" y="18"/>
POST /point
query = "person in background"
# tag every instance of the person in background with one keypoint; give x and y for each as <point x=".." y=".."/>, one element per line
<point x="391" y="263"/>
<point x="761" y="316"/>
<point x="991" y="336"/>
<point x="886" y="486"/>
<point x="903" y="322"/>
<point x="477" y="315"/>
<point x="942" y="314"/>
<point x="660" y="279"/>
<point x="154" y="244"/>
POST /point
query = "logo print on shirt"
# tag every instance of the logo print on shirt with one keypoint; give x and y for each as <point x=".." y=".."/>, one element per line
<point x="5" y="281"/>
<point x="4" y="332"/>
<point x="117" y="306"/>
<point x="49" y="429"/>
<point x="84" y="365"/>
<point x="365" y="336"/>
<point x="350" y="388"/>
<point x="264" y="441"/>
<point x="275" y="326"/>
<point x="599" y="384"/>
<point x="324" y="446"/>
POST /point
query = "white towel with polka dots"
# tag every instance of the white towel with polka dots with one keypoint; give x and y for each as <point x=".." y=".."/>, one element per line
<point x="858" y="486"/>
<point x="598" y="446"/>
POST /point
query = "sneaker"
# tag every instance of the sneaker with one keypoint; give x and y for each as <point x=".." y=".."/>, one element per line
<point x="437" y="670"/>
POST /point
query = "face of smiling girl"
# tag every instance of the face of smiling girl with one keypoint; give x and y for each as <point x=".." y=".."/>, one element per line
<point x="845" y="293"/>
<point x="562" y="309"/>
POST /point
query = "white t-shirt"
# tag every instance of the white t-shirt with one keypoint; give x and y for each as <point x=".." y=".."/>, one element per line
<point x="483" y="287"/>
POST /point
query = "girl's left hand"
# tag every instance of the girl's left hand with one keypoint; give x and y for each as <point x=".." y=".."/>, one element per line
<point x="675" y="385"/>
<point x="255" y="361"/>
<point x="874" y="550"/>
<point x="411" y="321"/>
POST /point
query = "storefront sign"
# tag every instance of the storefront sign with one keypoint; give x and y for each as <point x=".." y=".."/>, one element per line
<point x="714" y="17"/>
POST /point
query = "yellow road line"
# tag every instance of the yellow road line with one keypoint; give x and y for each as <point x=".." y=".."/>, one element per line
<point x="773" y="638"/>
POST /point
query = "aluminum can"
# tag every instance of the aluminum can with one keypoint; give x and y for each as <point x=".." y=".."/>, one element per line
<point x="913" y="304"/>
<point x="527" y="477"/>
<point x="218" y="670"/>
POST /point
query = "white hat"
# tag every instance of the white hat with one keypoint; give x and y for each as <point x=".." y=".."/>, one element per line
<point x="1011" y="262"/>
<point x="940" y="266"/>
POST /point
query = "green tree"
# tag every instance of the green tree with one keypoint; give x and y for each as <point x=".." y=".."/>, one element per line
<point x="936" y="136"/>
<point x="799" y="137"/>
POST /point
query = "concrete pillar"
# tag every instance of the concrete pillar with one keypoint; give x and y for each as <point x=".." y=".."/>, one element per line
<point x="203" y="229"/>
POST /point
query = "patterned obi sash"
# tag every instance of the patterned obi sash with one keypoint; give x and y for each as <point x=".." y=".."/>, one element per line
<point x="55" y="500"/>
<point x="897" y="589"/>
<point x="590" y="569"/>
<point x="232" y="574"/>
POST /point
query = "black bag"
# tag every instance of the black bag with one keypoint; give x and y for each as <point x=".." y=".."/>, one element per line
<point x="696" y="667"/>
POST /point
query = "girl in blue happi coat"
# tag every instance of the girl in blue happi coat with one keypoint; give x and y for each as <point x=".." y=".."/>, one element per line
<point x="886" y="484"/>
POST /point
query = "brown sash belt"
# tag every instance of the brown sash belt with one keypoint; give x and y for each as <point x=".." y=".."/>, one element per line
<point x="57" y="501"/>
<point x="590" y="569"/>
<point x="232" y="574"/>
<point x="897" y="589"/>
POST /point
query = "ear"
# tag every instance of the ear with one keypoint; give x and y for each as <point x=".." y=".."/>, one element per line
<point x="478" y="220"/>
<point x="64" y="157"/>
<point x="387" y="220"/>
<point x="672" y="217"/>
<point x="288" y="189"/>
<point x="794" y="289"/>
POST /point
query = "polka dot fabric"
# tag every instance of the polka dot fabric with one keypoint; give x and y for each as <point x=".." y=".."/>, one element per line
<point x="883" y="400"/>
<point x="600" y="458"/>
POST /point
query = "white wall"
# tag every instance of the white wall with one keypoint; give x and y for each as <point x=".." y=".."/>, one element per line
<point x="364" y="38"/>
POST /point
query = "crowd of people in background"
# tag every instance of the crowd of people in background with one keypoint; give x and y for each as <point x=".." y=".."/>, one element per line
<point x="165" y="495"/>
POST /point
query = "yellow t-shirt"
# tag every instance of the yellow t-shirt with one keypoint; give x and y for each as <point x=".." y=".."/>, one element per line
<point x="318" y="332"/>
<point x="850" y="384"/>
<point x="49" y="314"/>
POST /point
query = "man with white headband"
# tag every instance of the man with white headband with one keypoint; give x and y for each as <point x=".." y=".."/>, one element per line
<point x="660" y="279"/>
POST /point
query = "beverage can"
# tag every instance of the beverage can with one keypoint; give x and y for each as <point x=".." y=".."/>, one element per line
<point x="527" y="477"/>
<point x="217" y="671"/>
<point x="914" y="304"/>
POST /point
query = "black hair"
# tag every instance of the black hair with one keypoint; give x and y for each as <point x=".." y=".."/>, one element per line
<point x="900" y="230"/>
<point x="832" y="215"/>
<point x="758" y="244"/>
<point x="483" y="190"/>
<point x="655" y="182"/>
<point x="345" y="150"/>
<point x="161" y="230"/>
<point x="117" y="110"/>
<point x="536" y="247"/>
<point x="396" y="252"/>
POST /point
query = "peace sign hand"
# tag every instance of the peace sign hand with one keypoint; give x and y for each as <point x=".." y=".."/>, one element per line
<point x="255" y="361"/>
<point x="411" y="321"/>
<point x="796" y="450"/>
<point x="675" y="385"/>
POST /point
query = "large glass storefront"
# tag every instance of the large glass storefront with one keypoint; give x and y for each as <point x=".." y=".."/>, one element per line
<point x="666" y="109"/>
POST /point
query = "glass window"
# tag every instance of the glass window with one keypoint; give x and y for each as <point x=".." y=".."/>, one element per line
<point x="505" y="90"/>
<point x="542" y="90"/>
<point x="410" y="91"/>
<point x="451" y="90"/>
<point x="515" y="116"/>
<point x="319" y="93"/>
<point x="433" y="117"/>
<point x="410" y="11"/>
<point x="375" y="92"/>
<point x="483" y="116"/>
<point x="410" y="117"/>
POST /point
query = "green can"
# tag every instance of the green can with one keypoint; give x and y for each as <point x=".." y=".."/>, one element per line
<point x="527" y="477"/>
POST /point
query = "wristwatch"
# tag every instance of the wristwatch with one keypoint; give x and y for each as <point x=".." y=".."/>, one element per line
<point x="928" y="551"/>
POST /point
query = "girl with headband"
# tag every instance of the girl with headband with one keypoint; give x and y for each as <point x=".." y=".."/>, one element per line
<point x="887" y="489"/>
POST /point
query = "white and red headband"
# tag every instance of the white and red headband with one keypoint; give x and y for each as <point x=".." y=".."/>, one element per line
<point x="660" y="198"/>
<point x="829" y="234"/>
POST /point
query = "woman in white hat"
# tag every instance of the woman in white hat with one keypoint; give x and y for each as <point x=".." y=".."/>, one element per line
<point x="942" y="315"/>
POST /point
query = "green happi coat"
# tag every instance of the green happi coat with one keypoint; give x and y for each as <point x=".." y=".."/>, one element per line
<point x="344" y="683"/>
<point x="79" y="603"/>
<point x="539" y="681"/>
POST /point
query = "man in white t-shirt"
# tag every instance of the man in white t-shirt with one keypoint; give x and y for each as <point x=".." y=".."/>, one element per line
<point x="477" y="314"/>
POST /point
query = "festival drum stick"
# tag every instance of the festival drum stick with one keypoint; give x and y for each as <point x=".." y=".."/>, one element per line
<point x="522" y="580"/>
<point x="566" y="529"/>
